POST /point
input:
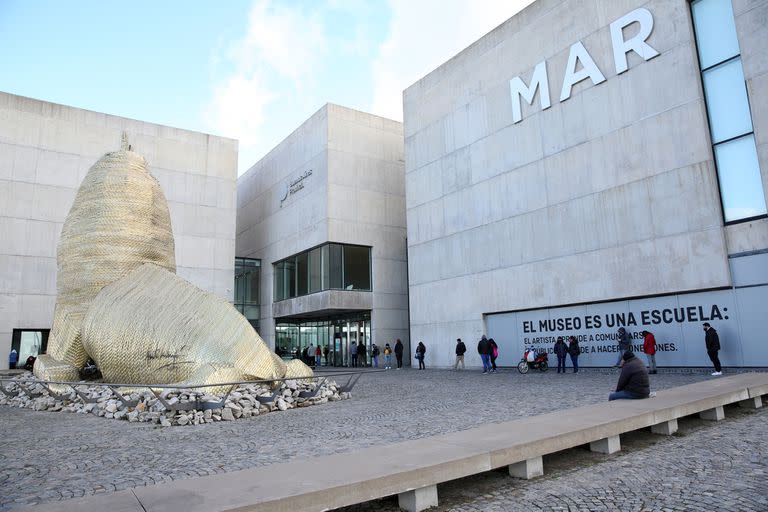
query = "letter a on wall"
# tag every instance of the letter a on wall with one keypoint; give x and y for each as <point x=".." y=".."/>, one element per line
<point x="589" y="70"/>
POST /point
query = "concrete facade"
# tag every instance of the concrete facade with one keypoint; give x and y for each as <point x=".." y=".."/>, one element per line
<point x="45" y="151"/>
<point x="355" y="194"/>
<point x="610" y="194"/>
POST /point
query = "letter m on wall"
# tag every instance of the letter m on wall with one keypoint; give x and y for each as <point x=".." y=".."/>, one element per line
<point x="518" y="89"/>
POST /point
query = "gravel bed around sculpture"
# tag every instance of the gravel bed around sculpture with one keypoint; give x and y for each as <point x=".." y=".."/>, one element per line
<point x="241" y="402"/>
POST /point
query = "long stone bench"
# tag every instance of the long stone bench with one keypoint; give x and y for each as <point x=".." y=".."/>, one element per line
<point x="412" y="469"/>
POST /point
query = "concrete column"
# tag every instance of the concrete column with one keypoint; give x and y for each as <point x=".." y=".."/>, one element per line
<point x="418" y="499"/>
<point x="716" y="414"/>
<point x="527" y="469"/>
<point x="665" y="428"/>
<point x="608" y="445"/>
<point x="752" y="403"/>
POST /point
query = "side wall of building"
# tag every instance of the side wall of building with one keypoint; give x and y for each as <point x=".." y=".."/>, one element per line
<point x="45" y="151"/>
<point x="272" y="223"/>
<point x="609" y="194"/>
<point x="366" y="206"/>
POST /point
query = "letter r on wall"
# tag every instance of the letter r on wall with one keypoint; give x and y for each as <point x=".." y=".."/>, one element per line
<point x="637" y="43"/>
<point x="518" y="89"/>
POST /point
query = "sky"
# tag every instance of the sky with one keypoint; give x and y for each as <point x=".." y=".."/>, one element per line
<point x="251" y="70"/>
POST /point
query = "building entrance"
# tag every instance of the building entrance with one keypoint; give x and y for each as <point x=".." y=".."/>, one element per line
<point x="335" y="337"/>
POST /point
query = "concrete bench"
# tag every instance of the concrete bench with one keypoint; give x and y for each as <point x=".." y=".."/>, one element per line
<point x="412" y="469"/>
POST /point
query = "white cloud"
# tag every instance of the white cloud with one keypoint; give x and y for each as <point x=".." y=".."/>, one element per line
<point x="425" y="34"/>
<point x="278" y="55"/>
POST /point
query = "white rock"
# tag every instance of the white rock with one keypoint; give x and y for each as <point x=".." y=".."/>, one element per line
<point x="227" y="415"/>
<point x="281" y="404"/>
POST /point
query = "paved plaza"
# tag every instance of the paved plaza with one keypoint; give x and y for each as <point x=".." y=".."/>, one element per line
<point x="706" y="466"/>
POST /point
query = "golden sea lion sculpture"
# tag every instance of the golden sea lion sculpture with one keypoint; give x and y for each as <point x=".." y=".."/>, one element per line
<point x="120" y="303"/>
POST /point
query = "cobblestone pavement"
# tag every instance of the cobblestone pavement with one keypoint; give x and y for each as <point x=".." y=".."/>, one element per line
<point x="52" y="456"/>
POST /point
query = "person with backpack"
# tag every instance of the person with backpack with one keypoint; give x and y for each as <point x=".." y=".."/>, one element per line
<point x="461" y="349"/>
<point x="625" y="343"/>
<point x="387" y="357"/>
<point x="561" y="350"/>
<point x="649" y="347"/>
<point x="399" y="353"/>
<point x="375" y="355"/>
<point x="421" y="351"/>
<point x="493" y="353"/>
<point x="318" y="356"/>
<point x="574" y="350"/>
<point x="484" y="348"/>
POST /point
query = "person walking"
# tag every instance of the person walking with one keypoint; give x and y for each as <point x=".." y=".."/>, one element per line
<point x="493" y="353"/>
<point x="325" y="354"/>
<point x="483" y="348"/>
<point x="421" y="351"/>
<point x="712" y="341"/>
<point x="318" y="356"/>
<point x="649" y="347"/>
<point x="461" y="349"/>
<point x="311" y="355"/>
<point x="13" y="358"/>
<point x="353" y="354"/>
<point x="574" y="350"/>
<point x="399" y="353"/>
<point x="624" y="344"/>
<point x="561" y="350"/>
<point x="633" y="380"/>
<point x="387" y="357"/>
<point x="375" y="355"/>
<point x="361" y="353"/>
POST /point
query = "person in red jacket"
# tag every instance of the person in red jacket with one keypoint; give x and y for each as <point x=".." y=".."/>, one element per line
<point x="649" y="347"/>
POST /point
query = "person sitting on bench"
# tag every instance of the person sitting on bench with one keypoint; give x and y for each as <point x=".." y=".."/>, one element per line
<point x="633" y="381"/>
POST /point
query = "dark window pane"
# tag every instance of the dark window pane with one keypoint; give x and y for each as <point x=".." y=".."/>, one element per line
<point x="357" y="274"/>
<point x="280" y="281"/>
<point x="252" y="284"/>
<point x="290" y="278"/>
<point x="315" y="270"/>
<point x="302" y="273"/>
<point x="326" y="267"/>
<point x="335" y="269"/>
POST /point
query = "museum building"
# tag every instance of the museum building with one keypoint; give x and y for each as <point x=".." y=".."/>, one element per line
<point x="589" y="165"/>
<point x="45" y="151"/>
<point x="323" y="217"/>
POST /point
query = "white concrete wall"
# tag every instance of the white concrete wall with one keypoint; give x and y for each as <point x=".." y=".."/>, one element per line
<point x="752" y="31"/>
<point x="609" y="194"/>
<point x="366" y="206"/>
<point x="355" y="195"/>
<point x="45" y="151"/>
<point x="271" y="232"/>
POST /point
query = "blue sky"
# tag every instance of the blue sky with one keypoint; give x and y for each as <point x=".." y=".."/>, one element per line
<point x="252" y="70"/>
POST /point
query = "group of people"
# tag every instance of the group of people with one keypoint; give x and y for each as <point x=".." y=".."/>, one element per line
<point x="562" y="350"/>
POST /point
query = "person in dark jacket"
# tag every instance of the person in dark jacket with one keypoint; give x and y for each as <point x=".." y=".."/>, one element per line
<point x="574" y="350"/>
<point x="713" y="346"/>
<point x="561" y="350"/>
<point x="361" y="359"/>
<point x="625" y="343"/>
<point x="399" y="353"/>
<point x="649" y="347"/>
<point x="493" y="353"/>
<point x="633" y="380"/>
<point x="421" y="351"/>
<point x="483" y="348"/>
<point x="461" y="349"/>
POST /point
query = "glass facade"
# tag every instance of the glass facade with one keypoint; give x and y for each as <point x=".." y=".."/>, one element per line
<point x="247" y="288"/>
<point x="334" y="336"/>
<point x="730" y="120"/>
<point x="327" y="267"/>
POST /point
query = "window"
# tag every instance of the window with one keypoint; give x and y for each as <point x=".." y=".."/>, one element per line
<point x="730" y="120"/>
<point x="357" y="272"/>
<point x="328" y="267"/>
<point x="247" y="289"/>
